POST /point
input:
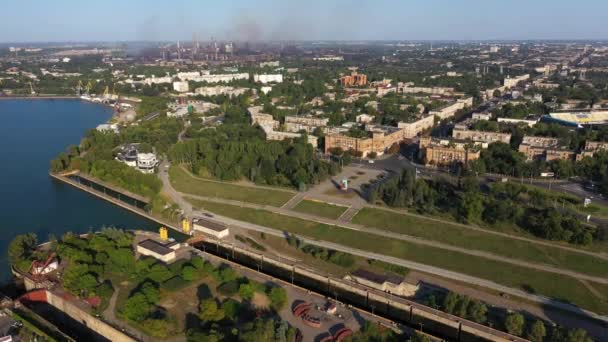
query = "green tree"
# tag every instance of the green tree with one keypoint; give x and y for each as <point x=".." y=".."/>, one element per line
<point x="188" y="273"/>
<point x="21" y="249"/>
<point x="449" y="302"/>
<point x="278" y="298"/>
<point x="136" y="308"/>
<point x="477" y="311"/>
<point x="209" y="311"/>
<point x="231" y="308"/>
<point x="514" y="323"/>
<point x="537" y="331"/>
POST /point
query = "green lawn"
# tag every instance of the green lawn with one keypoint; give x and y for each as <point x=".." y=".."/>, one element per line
<point x="545" y="283"/>
<point x="472" y="239"/>
<point x="184" y="182"/>
<point x="321" y="209"/>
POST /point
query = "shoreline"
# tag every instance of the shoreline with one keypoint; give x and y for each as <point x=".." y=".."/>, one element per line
<point x="40" y="97"/>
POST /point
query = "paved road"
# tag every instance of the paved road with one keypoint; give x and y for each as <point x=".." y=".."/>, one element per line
<point x="178" y="198"/>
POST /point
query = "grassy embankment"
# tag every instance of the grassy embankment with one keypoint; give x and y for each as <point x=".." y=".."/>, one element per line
<point x="549" y="284"/>
<point x="185" y="183"/>
<point x="459" y="236"/>
<point x="321" y="209"/>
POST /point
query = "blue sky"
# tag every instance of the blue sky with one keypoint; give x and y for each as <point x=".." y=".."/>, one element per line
<point x="71" y="20"/>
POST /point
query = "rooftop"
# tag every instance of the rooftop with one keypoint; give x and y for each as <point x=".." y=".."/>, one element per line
<point x="218" y="227"/>
<point x="155" y="247"/>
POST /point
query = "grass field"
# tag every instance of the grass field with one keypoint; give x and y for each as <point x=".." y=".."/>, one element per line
<point x="321" y="209"/>
<point x="184" y="182"/>
<point x="549" y="284"/>
<point x="472" y="239"/>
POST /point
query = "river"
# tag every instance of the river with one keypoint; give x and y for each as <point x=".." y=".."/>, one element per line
<point x="32" y="132"/>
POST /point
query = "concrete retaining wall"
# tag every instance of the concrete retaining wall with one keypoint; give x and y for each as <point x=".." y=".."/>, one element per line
<point x="86" y="319"/>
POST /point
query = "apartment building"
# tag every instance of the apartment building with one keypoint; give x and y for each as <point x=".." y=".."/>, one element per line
<point x="378" y="140"/>
<point x="414" y="128"/>
<point x="544" y="148"/>
<point x="307" y="123"/>
<point x="268" y="78"/>
<point x="591" y="147"/>
<point x="441" y="152"/>
<point x="510" y="82"/>
<point x="410" y="88"/>
<point x="450" y="109"/>
<point x="220" y="90"/>
<point x="354" y="79"/>
<point x="462" y="133"/>
<point x="270" y="126"/>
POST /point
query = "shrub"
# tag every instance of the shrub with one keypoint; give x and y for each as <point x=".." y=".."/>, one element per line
<point x="229" y="288"/>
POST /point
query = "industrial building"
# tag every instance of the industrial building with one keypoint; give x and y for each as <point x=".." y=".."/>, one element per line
<point x="215" y="229"/>
<point x="164" y="252"/>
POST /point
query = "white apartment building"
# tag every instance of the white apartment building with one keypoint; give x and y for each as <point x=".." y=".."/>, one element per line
<point x="412" y="129"/>
<point x="268" y="78"/>
<point x="181" y="86"/>
<point x="511" y="82"/>
<point x="220" y="90"/>
<point x="451" y="109"/>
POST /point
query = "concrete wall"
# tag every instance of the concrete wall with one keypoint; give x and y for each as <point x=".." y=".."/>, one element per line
<point x="86" y="319"/>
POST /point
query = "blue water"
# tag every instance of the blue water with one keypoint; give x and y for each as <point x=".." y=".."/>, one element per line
<point x="32" y="132"/>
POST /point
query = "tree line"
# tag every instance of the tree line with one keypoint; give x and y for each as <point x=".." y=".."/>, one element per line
<point x="233" y="152"/>
<point x="530" y="209"/>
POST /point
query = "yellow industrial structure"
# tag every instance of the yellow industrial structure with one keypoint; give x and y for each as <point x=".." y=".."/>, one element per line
<point x="164" y="233"/>
<point x="186" y="226"/>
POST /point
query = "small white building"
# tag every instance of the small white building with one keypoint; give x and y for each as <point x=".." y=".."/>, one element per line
<point x="146" y="162"/>
<point x="387" y="283"/>
<point x="107" y="128"/>
<point x="181" y="86"/>
<point x="482" y="116"/>
<point x="266" y="89"/>
<point x="364" y="118"/>
<point x="178" y="113"/>
<point x="164" y="252"/>
<point x="215" y="229"/>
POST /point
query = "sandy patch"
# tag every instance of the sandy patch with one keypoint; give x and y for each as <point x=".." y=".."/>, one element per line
<point x="260" y="301"/>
